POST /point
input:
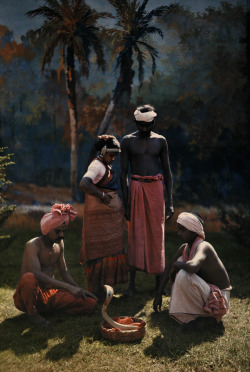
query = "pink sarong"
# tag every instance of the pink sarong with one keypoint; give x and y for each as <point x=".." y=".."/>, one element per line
<point x="146" y="227"/>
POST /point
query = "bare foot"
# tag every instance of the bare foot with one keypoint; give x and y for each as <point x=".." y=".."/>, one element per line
<point x="39" y="321"/>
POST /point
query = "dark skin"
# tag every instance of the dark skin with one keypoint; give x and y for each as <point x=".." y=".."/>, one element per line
<point x="206" y="263"/>
<point x="86" y="183"/>
<point x="41" y="256"/>
<point x="143" y="151"/>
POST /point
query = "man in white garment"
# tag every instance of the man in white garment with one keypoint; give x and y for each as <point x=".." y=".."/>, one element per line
<point x="201" y="287"/>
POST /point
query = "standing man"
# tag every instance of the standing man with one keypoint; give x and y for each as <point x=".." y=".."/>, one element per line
<point x="37" y="291"/>
<point x="144" y="203"/>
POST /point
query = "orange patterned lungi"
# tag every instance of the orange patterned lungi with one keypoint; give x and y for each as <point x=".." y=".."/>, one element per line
<point x="31" y="298"/>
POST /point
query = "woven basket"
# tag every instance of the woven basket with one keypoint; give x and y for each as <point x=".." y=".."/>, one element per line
<point x="118" y="335"/>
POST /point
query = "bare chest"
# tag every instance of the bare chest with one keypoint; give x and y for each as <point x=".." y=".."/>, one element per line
<point x="145" y="147"/>
<point x="49" y="257"/>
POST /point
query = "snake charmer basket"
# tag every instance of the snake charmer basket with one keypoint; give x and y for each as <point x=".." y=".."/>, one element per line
<point x="122" y="335"/>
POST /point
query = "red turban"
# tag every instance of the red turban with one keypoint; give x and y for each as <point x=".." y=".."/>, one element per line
<point x="60" y="213"/>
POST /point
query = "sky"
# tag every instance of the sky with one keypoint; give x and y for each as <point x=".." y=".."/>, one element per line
<point x="12" y="12"/>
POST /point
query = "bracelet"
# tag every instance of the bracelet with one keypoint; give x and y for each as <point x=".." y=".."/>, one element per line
<point x="103" y="195"/>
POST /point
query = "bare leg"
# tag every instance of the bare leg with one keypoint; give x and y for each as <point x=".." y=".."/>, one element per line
<point x="131" y="290"/>
<point x="39" y="321"/>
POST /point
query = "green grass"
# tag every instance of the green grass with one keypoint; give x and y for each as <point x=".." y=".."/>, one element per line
<point x="74" y="343"/>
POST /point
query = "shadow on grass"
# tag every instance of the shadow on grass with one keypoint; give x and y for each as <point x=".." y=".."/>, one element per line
<point x="63" y="338"/>
<point x="173" y="343"/>
<point x="64" y="335"/>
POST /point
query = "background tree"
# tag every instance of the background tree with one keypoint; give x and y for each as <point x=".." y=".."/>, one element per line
<point x="72" y="26"/>
<point x="130" y="38"/>
<point x="5" y="209"/>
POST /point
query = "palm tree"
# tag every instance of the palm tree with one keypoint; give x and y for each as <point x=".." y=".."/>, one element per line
<point x="134" y="25"/>
<point x="72" y="26"/>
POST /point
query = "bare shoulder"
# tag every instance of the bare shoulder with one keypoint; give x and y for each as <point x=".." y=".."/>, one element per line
<point x="158" y="136"/>
<point x="33" y="244"/>
<point x="206" y="247"/>
<point x="129" y="136"/>
<point x="126" y="140"/>
<point x="160" y="139"/>
<point x="32" y="247"/>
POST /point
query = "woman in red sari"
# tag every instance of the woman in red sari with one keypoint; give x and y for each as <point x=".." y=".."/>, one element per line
<point x="102" y="248"/>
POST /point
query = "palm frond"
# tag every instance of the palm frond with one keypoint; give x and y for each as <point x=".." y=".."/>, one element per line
<point x="140" y="56"/>
<point x="158" y="12"/>
<point x="120" y="5"/>
<point x="140" y="11"/>
<point x="150" y="30"/>
<point x="82" y="53"/>
<point x="152" y="52"/>
<point x="44" y="12"/>
<point x="49" y="52"/>
<point x="67" y="22"/>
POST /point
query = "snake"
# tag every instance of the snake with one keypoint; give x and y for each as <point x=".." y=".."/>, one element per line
<point x="110" y="321"/>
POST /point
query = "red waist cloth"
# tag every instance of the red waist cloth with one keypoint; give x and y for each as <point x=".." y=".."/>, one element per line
<point x="31" y="298"/>
<point x="146" y="227"/>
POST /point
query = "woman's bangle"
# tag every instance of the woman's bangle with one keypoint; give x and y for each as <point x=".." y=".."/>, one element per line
<point x="103" y="195"/>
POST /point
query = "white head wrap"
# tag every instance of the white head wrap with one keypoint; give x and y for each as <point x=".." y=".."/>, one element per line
<point x="104" y="150"/>
<point x="192" y="223"/>
<point x="145" y="116"/>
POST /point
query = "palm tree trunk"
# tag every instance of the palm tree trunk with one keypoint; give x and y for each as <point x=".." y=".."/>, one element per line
<point x="123" y="85"/>
<point x="70" y="81"/>
<point x="107" y="118"/>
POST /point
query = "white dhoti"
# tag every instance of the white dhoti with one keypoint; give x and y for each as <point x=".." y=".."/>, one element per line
<point x="188" y="297"/>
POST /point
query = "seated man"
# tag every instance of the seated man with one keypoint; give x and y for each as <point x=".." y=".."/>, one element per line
<point x="201" y="287"/>
<point x="38" y="291"/>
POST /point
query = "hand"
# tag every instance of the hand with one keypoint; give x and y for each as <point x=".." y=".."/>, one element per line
<point x="85" y="293"/>
<point x="169" y="212"/>
<point x="79" y="292"/>
<point x="157" y="303"/>
<point x="127" y="213"/>
<point x="106" y="199"/>
<point x="75" y="291"/>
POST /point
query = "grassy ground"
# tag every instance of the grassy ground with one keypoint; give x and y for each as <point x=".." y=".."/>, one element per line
<point x="74" y="343"/>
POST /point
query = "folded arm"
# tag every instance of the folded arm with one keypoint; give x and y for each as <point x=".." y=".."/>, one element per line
<point x="194" y="265"/>
<point x="86" y="185"/>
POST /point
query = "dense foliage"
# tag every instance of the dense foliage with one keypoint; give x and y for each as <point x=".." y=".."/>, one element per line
<point x="5" y="209"/>
<point x="199" y="90"/>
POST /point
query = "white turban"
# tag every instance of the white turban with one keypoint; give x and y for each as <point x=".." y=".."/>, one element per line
<point x="145" y="116"/>
<point x="191" y="223"/>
